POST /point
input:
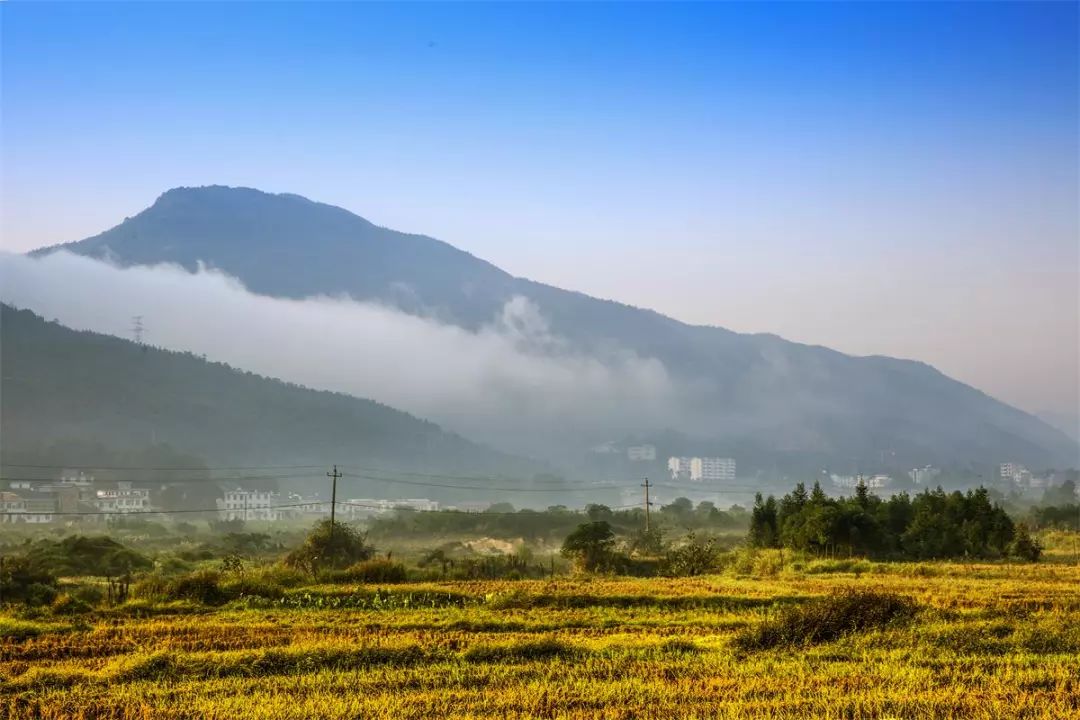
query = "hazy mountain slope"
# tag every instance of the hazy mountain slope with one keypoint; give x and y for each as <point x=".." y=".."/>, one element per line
<point x="59" y="383"/>
<point x="756" y="394"/>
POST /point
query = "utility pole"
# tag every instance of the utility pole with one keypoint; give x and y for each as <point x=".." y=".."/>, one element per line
<point x="333" y="499"/>
<point x="646" y="485"/>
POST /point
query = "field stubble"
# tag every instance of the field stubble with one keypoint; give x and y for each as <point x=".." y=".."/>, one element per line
<point x="985" y="641"/>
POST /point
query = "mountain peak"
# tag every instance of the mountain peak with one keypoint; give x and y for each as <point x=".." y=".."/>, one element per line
<point x="751" y="391"/>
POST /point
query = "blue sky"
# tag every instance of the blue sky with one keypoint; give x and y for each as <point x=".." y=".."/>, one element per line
<point x="881" y="178"/>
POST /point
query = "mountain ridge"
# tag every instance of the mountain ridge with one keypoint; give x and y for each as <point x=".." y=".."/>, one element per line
<point x="60" y="383"/>
<point x="757" y="389"/>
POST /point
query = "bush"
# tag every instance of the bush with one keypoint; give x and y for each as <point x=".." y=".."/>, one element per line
<point x="82" y="555"/>
<point x="67" y="605"/>
<point x="695" y="557"/>
<point x="90" y="594"/>
<point x="330" y="546"/>
<point x="201" y="586"/>
<point x="27" y="581"/>
<point x="827" y="619"/>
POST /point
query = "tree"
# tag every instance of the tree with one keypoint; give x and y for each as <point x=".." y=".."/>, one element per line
<point x="330" y="546"/>
<point x="596" y="512"/>
<point x="590" y="546"/>
<point x="1023" y="546"/>
<point x="763" y="523"/>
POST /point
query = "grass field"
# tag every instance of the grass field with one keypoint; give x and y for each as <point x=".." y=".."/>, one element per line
<point x="987" y="641"/>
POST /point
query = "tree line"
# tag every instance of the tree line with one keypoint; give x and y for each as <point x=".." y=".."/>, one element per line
<point x="931" y="525"/>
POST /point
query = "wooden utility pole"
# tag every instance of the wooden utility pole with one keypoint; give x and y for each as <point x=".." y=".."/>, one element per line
<point x="646" y="485"/>
<point x="333" y="499"/>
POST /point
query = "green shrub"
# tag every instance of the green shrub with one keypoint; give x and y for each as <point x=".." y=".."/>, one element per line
<point x="68" y="605"/>
<point x="201" y="586"/>
<point x="330" y="546"/>
<point x="28" y="581"/>
<point x="92" y="595"/>
<point x="695" y="557"/>
<point x="827" y="619"/>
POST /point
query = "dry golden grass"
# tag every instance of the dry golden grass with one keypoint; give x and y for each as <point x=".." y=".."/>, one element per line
<point x="989" y="641"/>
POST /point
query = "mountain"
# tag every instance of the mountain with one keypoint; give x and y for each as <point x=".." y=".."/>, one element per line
<point x="60" y="384"/>
<point x="760" y="397"/>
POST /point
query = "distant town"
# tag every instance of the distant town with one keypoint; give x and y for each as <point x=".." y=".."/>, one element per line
<point x="76" y="495"/>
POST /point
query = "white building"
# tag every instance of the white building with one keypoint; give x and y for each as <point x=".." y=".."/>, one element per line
<point x="240" y="504"/>
<point x="924" y="475"/>
<point x="360" y="507"/>
<point x="1016" y="474"/>
<point x="77" y="478"/>
<point x="872" y="482"/>
<point x="679" y="468"/>
<point x="122" y="500"/>
<point x="702" y="469"/>
<point x="17" y="509"/>
<point x="641" y="453"/>
<point x="712" y="469"/>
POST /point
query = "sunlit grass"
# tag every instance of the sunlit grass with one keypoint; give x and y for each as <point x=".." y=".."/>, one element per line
<point x="987" y="641"/>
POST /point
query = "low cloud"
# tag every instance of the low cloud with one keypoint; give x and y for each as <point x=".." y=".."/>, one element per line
<point x="513" y="382"/>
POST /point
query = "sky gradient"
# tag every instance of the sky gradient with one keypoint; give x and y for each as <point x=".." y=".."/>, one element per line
<point x="881" y="178"/>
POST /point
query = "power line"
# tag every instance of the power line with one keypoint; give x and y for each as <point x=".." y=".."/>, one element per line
<point x="227" y="479"/>
<point x="162" y="467"/>
<point x="282" y="507"/>
<point x="144" y="512"/>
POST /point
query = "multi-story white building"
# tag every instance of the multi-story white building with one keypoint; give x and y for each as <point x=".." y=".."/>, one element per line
<point x="641" y="453"/>
<point x="679" y="468"/>
<point x="240" y="504"/>
<point x="702" y="469"/>
<point x="924" y="475"/>
<point x="122" y="500"/>
<point x="712" y="469"/>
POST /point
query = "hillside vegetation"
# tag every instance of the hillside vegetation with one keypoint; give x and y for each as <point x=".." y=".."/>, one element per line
<point x="60" y="384"/>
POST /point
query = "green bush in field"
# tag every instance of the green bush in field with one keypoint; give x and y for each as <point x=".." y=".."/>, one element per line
<point x="68" y="605"/>
<point x="82" y="555"/>
<point x="827" y="619"/>
<point x="694" y="557"/>
<point x="330" y="546"/>
<point x="27" y="581"/>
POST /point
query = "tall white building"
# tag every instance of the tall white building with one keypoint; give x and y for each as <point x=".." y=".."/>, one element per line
<point x="679" y="468"/>
<point x="712" y="469"/>
<point x="702" y="469"/>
